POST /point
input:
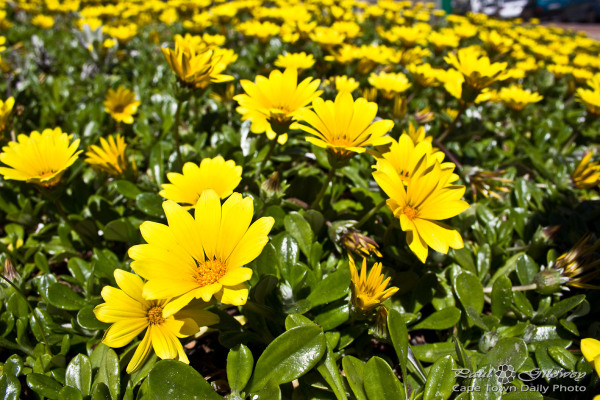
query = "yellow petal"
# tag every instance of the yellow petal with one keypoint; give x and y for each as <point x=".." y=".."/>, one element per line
<point x="141" y="353"/>
<point x="123" y="332"/>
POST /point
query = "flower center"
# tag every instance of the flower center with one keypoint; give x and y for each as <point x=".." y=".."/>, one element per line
<point x="209" y="272"/>
<point x="119" y="108"/>
<point x="411" y="213"/>
<point x="46" y="174"/>
<point x="155" y="316"/>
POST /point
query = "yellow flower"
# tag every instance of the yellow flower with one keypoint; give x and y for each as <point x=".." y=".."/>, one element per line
<point x="212" y="173"/>
<point x="271" y="103"/>
<point x="487" y="183"/>
<point x="345" y="126"/>
<point x="121" y="104"/>
<point x="344" y="83"/>
<point x="495" y="42"/>
<point x="478" y="71"/>
<point x="390" y="83"/>
<point x="444" y="39"/>
<point x="204" y="256"/>
<point x="123" y="33"/>
<point x="327" y="37"/>
<point x="358" y="243"/>
<point x="130" y="314"/>
<point x="517" y="98"/>
<point x="426" y="199"/>
<point x="580" y="265"/>
<point x="590" y="99"/>
<point x="5" y="110"/>
<point x="417" y="134"/>
<point x="369" y="291"/>
<point x="109" y="43"/>
<point x="39" y="158"/>
<point x="591" y="351"/>
<point x="197" y="65"/>
<point x="295" y="60"/>
<point x="425" y="75"/>
<point x="109" y="157"/>
<point x="453" y="83"/>
<point x="43" y="21"/>
<point x="586" y="174"/>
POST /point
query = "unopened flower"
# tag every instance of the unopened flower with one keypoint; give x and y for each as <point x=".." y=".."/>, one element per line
<point x="369" y="290"/>
<point x="487" y="183"/>
<point x="580" y="265"/>
<point x="212" y="173"/>
<point x="121" y="104"/>
<point x="131" y="314"/>
<point x="586" y="174"/>
<point x="40" y="158"/>
<point x="359" y="244"/>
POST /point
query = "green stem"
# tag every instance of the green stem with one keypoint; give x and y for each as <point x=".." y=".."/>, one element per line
<point x="21" y="347"/>
<point x="368" y="215"/>
<point x="461" y="110"/>
<point x="176" y="132"/>
<point x="272" y="145"/>
<point x="315" y="204"/>
<point x="531" y="286"/>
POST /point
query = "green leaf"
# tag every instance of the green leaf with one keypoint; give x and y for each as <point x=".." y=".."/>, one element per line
<point x="512" y="351"/>
<point x="150" y="204"/>
<point x="70" y="393"/>
<point x="566" y="305"/>
<point x="101" y="392"/>
<point x="380" y="382"/>
<point x="521" y="395"/>
<point x="487" y="385"/>
<point x="502" y="296"/>
<point x="295" y="320"/>
<point x="469" y="291"/>
<point x="10" y="387"/>
<point x="127" y="189"/>
<point x="440" y="379"/>
<point x="354" y="370"/>
<point x="87" y="319"/>
<point x="170" y="379"/>
<point x="79" y="374"/>
<point x="443" y="319"/>
<point x="526" y="269"/>
<point x="563" y="357"/>
<point x="44" y="385"/>
<point x="300" y="230"/>
<point x="333" y="287"/>
<point x="334" y="317"/>
<point x="63" y="297"/>
<point x="239" y="367"/>
<point x="328" y="369"/>
<point x="289" y="356"/>
<point x="105" y="361"/>
<point x="522" y="304"/>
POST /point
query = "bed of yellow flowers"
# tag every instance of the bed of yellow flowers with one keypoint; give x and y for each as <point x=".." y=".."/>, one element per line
<point x="321" y="199"/>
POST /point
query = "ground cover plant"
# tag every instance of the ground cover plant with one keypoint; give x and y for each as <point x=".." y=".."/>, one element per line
<point x="296" y="200"/>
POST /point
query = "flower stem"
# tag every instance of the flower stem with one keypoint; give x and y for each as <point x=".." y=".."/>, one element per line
<point x="522" y="288"/>
<point x="176" y="132"/>
<point x="272" y="145"/>
<point x="368" y="215"/>
<point x="315" y="203"/>
<point x="21" y="347"/>
<point x="461" y="110"/>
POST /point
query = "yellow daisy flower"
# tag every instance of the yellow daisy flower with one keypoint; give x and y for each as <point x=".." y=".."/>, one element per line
<point x="369" y="291"/>
<point x="591" y="351"/>
<point x="109" y="157"/>
<point x="478" y="71"/>
<point x="516" y="98"/>
<point x="212" y="173"/>
<point x="344" y="83"/>
<point x="130" y="314"/>
<point x="123" y="33"/>
<point x="43" y="21"/>
<point x="426" y="199"/>
<point x="586" y="174"/>
<point x="390" y="84"/>
<point x="5" y="110"/>
<point x="271" y="103"/>
<point x="425" y="75"/>
<point x="39" y="158"/>
<point x="197" y="65"/>
<point x="121" y="104"/>
<point x="590" y="99"/>
<point x="345" y="126"/>
<point x="298" y="61"/>
<point x="204" y="256"/>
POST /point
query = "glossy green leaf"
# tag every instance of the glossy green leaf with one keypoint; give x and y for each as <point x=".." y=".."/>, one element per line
<point x="354" y="370"/>
<point x="486" y="386"/>
<point x="469" y="291"/>
<point x="563" y="357"/>
<point x="508" y="351"/>
<point x="289" y="356"/>
<point x="127" y="189"/>
<point x="526" y="269"/>
<point x="44" y="385"/>
<point x="150" y="203"/>
<point x="300" y="230"/>
<point x="333" y="287"/>
<point x="328" y="369"/>
<point x="443" y="319"/>
<point x="440" y="379"/>
<point x="166" y="375"/>
<point x="380" y="382"/>
<point x="79" y="374"/>
<point x="63" y="297"/>
<point x="87" y="319"/>
<point x="104" y="360"/>
<point x="239" y="367"/>
<point x="70" y="393"/>
<point x="502" y="296"/>
<point x="10" y="387"/>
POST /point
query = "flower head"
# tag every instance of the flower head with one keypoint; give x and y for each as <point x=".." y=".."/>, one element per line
<point x="5" y="110"/>
<point x="590" y="99"/>
<point x="212" y="173"/>
<point x="204" y="256"/>
<point x="516" y="98"/>
<point x="344" y="83"/>
<point x="345" y="126"/>
<point x="123" y="33"/>
<point x="425" y="75"/>
<point x="356" y="242"/>
<point x="121" y="104"/>
<point x="478" y="71"/>
<point x="196" y="64"/>
<point x="369" y="291"/>
<point x="271" y="103"/>
<point x="39" y="158"/>
<point x="109" y="157"/>
<point x="591" y="351"/>
<point x="586" y="174"/>
<point x="298" y="61"/>
<point x="43" y="21"/>
<point x="390" y="84"/>
<point x="580" y="265"/>
<point x="422" y="203"/>
<point x="131" y="314"/>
